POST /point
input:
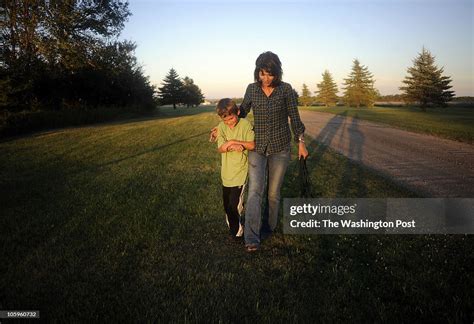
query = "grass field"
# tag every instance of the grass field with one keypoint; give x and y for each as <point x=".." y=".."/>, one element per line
<point x="455" y="123"/>
<point x="124" y="222"/>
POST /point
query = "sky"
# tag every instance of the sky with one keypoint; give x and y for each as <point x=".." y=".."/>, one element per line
<point x="216" y="43"/>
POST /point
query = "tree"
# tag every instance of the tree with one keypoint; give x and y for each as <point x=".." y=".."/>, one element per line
<point x="305" y="98"/>
<point x="192" y="95"/>
<point x="19" y="64"/>
<point x="63" y="54"/>
<point x="425" y="83"/>
<point x="359" y="87"/>
<point x="171" y="93"/>
<point x="327" y="90"/>
<point x="74" y="29"/>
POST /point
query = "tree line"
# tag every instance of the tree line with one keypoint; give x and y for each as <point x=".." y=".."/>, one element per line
<point x="424" y="85"/>
<point x="58" y="55"/>
<point x="176" y="91"/>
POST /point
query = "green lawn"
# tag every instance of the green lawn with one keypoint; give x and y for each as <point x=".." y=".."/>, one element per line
<point x="124" y="222"/>
<point x="455" y="123"/>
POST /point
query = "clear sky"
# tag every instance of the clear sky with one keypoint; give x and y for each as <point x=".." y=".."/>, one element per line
<point x="216" y="43"/>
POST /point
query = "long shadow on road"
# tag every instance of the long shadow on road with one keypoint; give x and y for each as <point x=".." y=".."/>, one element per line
<point x="352" y="172"/>
<point x="335" y="130"/>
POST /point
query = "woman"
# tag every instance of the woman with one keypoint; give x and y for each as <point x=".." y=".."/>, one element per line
<point x="272" y="102"/>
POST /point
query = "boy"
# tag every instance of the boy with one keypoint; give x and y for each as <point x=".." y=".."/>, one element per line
<point x="235" y="138"/>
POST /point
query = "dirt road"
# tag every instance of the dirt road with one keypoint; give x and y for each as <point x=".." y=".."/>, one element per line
<point x="433" y="166"/>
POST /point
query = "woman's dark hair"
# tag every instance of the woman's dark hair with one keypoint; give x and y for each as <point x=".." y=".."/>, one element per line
<point x="268" y="62"/>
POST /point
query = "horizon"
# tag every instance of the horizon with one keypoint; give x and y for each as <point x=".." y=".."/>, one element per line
<point x="216" y="44"/>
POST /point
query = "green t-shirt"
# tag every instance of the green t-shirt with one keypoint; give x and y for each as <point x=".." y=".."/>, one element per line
<point x="235" y="164"/>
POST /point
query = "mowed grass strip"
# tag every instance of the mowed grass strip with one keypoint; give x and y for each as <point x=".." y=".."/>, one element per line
<point x="125" y="222"/>
<point x="456" y="123"/>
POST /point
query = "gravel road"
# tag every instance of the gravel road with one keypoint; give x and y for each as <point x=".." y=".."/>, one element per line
<point x="433" y="166"/>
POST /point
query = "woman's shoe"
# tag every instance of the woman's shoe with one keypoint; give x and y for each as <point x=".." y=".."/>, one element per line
<point x="251" y="248"/>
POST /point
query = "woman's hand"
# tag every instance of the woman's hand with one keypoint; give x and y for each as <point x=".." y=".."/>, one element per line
<point x="213" y="135"/>
<point x="302" y="151"/>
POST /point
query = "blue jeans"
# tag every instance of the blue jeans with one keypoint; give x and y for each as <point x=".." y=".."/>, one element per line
<point x="277" y="164"/>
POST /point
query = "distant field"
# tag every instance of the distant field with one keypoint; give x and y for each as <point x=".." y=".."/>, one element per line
<point x="124" y="222"/>
<point x="453" y="122"/>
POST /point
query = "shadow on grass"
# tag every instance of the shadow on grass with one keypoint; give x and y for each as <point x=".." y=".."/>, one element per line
<point x="165" y="261"/>
<point x="151" y="150"/>
<point x="154" y="149"/>
<point x="127" y="118"/>
<point x="321" y="144"/>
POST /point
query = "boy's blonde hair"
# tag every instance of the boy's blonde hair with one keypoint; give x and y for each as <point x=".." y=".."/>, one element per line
<point x="226" y="107"/>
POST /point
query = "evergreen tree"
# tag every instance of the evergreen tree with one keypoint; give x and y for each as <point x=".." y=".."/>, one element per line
<point x="425" y="83"/>
<point x="327" y="90"/>
<point x="359" y="87"/>
<point x="171" y="93"/>
<point x="305" y="98"/>
<point x="192" y="95"/>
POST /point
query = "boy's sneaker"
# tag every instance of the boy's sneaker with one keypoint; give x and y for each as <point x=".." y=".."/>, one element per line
<point x="231" y="239"/>
<point x="240" y="232"/>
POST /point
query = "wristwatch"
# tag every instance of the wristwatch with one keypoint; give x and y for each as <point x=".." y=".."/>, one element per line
<point x="301" y="138"/>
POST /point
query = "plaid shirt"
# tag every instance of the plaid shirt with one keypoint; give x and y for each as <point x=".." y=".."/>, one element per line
<point x="272" y="132"/>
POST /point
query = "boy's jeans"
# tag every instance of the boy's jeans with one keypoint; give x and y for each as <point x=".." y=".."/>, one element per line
<point x="277" y="164"/>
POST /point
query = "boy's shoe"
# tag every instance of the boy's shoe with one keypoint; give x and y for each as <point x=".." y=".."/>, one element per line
<point x="240" y="232"/>
<point x="251" y="247"/>
<point x="231" y="239"/>
<point x="239" y="239"/>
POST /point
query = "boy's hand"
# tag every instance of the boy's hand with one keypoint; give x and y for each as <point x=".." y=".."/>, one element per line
<point x="236" y="148"/>
<point x="213" y="135"/>
<point x="225" y="146"/>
